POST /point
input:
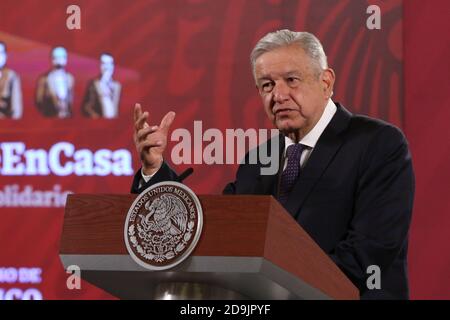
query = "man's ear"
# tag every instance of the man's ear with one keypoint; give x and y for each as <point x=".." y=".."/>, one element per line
<point x="327" y="79"/>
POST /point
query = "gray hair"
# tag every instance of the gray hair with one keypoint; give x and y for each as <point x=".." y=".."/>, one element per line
<point x="283" y="38"/>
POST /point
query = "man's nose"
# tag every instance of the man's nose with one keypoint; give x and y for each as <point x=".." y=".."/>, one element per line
<point x="280" y="92"/>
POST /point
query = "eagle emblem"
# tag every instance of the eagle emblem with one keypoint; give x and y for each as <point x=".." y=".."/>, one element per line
<point x="163" y="225"/>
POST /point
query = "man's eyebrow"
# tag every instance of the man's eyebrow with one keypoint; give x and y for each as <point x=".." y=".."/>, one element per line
<point x="284" y="75"/>
<point x="264" y="77"/>
<point x="292" y="73"/>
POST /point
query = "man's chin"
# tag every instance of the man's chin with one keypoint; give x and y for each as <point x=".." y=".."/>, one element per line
<point x="286" y="126"/>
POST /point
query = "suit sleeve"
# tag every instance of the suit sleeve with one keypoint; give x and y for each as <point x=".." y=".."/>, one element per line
<point x="231" y="188"/>
<point x="244" y="174"/>
<point x="165" y="173"/>
<point x="40" y="94"/>
<point x="384" y="195"/>
<point x="89" y="101"/>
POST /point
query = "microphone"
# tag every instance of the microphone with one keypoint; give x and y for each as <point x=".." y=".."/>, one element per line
<point x="185" y="174"/>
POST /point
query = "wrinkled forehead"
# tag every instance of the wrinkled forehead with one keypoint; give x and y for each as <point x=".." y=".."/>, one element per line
<point x="285" y="60"/>
<point x="59" y="52"/>
<point x="106" y="59"/>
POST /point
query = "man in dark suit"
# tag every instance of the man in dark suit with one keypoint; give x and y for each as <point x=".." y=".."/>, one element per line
<point x="102" y="96"/>
<point x="55" y="89"/>
<point x="10" y="89"/>
<point x="347" y="179"/>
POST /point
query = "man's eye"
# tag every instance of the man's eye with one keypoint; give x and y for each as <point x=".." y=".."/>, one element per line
<point x="292" y="80"/>
<point x="267" y="86"/>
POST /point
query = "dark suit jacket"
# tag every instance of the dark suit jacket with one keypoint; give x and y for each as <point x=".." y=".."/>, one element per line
<point x="92" y="105"/>
<point x="354" y="197"/>
<point x="46" y="100"/>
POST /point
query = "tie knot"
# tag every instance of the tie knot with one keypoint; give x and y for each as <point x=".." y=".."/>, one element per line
<point x="294" y="150"/>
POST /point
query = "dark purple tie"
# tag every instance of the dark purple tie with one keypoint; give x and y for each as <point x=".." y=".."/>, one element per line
<point x="290" y="174"/>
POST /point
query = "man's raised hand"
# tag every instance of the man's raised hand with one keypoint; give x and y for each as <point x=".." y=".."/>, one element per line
<point x="150" y="141"/>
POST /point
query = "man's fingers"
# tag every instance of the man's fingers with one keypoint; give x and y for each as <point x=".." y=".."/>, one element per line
<point x="140" y="123"/>
<point x="167" y="121"/>
<point x="146" y="144"/>
<point x="141" y="134"/>
<point x="137" y="111"/>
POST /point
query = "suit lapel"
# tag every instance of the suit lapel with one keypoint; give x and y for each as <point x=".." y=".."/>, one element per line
<point x="268" y="184"/>
<point x="329" y="143"/>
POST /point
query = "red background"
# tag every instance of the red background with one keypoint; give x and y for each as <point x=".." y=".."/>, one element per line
<point x="192" y="57"/>
<point x="427" y="102"/>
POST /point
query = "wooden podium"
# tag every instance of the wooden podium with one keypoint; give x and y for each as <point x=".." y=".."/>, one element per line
<point x="250" y="248"/>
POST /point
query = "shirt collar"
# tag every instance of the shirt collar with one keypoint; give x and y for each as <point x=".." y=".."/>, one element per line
<point x="311" y="138"/>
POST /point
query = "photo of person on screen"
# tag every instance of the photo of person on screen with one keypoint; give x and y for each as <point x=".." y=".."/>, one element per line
<point x="10" y="89"/>
<point x="102" y="96"/>
<point x="54" y="92"/>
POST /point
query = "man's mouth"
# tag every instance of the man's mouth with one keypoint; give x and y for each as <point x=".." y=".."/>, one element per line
<point x="283" y="111"/>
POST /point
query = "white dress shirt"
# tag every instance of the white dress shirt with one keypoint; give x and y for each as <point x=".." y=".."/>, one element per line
<point x="311" y="138"/>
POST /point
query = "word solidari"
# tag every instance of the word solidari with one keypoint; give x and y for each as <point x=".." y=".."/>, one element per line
<point x="62" y="159"/>
<point x="12" y="196"/>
